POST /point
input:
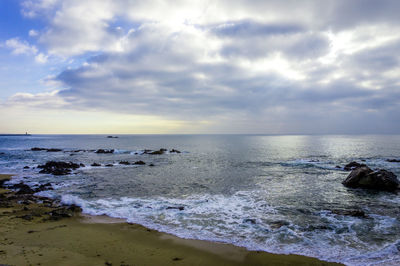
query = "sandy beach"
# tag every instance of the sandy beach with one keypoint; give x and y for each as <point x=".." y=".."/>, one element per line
<point x="35" y="231"/>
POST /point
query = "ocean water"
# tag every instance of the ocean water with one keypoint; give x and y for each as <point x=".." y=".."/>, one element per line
<point x="280" y="194"/>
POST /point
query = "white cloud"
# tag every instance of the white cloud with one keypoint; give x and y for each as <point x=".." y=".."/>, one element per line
<point x="33" y="33"/>
<point x="41" y="58"/>
<point x="20" y="47"/>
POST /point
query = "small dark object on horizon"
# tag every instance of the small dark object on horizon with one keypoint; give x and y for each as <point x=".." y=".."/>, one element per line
<point x="95" y="164"/>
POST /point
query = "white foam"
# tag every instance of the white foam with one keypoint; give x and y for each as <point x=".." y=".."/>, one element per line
<point x="224" y="219"/>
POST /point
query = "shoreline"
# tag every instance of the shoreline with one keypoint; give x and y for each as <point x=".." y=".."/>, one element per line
<point x="36" y="230"/>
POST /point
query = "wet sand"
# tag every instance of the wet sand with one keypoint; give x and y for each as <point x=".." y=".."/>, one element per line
<point x="35" y="231"/>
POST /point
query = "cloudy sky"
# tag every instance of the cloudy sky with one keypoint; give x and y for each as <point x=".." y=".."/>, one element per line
<point x="272" y="67"/>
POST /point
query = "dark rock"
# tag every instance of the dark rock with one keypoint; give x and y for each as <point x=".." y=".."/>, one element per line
<point x="177" y="259"/>
<point x="354" y="213"/>
<point x="27" y="217"/>
<point x="37" y="149"/>
<point x="317" y="227"/>
<point x="393" y="160"/>
<point x="249" y="221"/>
<point x="124" y="162"/>
<point x="352" y="166"/>
<point x="61" y="213"/>
<point x="338" y="166"/>
<point x="109" y="165"/>
<point x="181" y="208"/>
<point x="364" y="177"/>
<point x="74" y="208"/>
<point x="53" y="150"/>
<point x="139" y="163"/>
<point x="112" y="137"/>
<point x="58" y="168"/>
<point x="104" y="151"/>
<point x="4" y="179"/>
<point x="26" y="167"/>
<point x="45" y="149"/>
<point x="22" y="189"/>
<point x="81" y="165"/>
<point x="43" y="187"/>
<point x="159" y="152"/>
<point x="278" y="224"/>
<point x="174" y="151"/>
<point x="95" y="164"/>
<point x="151" y="164"/>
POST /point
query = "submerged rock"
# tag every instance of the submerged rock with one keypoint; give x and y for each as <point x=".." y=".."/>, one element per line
<point x="124" y="162"/>
<point x="354" y="213"/>
<point x="95" y="164"/>
<point x="249" y="221"/>
<point x="393" y="160"/>
<point x="139" y="163"/>
<point x="174" y="151"/>
<point x="364" y="177"/>
<point x="109" y="165"/>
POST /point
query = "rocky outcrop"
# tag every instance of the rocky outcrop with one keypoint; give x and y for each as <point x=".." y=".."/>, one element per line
<point x="180" y="208"/>
<point x="22" y="188"/>
<point x="45" y="149"/>
<point x="58" y="168"/>
<point x="124" y="162"/>
<point x="364" y="177"/>
<point x="352" y="166"/>
<point x="174" y="151"/>
<point x="95" y="164"/>
<point x="393" y="160"/>
<point x="104" y="151"/>
<point x="139" y="163"/>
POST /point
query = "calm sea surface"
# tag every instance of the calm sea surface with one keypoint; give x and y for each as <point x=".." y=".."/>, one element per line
<point x="280" y="194"/>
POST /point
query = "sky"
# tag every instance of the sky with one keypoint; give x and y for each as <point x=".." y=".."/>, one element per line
<point x="200" y="67"/>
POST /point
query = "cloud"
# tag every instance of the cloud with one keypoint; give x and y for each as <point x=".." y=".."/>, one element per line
<point x="20" y="47"/>
<point x="33" y="33"/>
<point x="272" y="66"/>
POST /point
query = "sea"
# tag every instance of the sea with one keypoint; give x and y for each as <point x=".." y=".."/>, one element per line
<point x="274" y="193"/>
